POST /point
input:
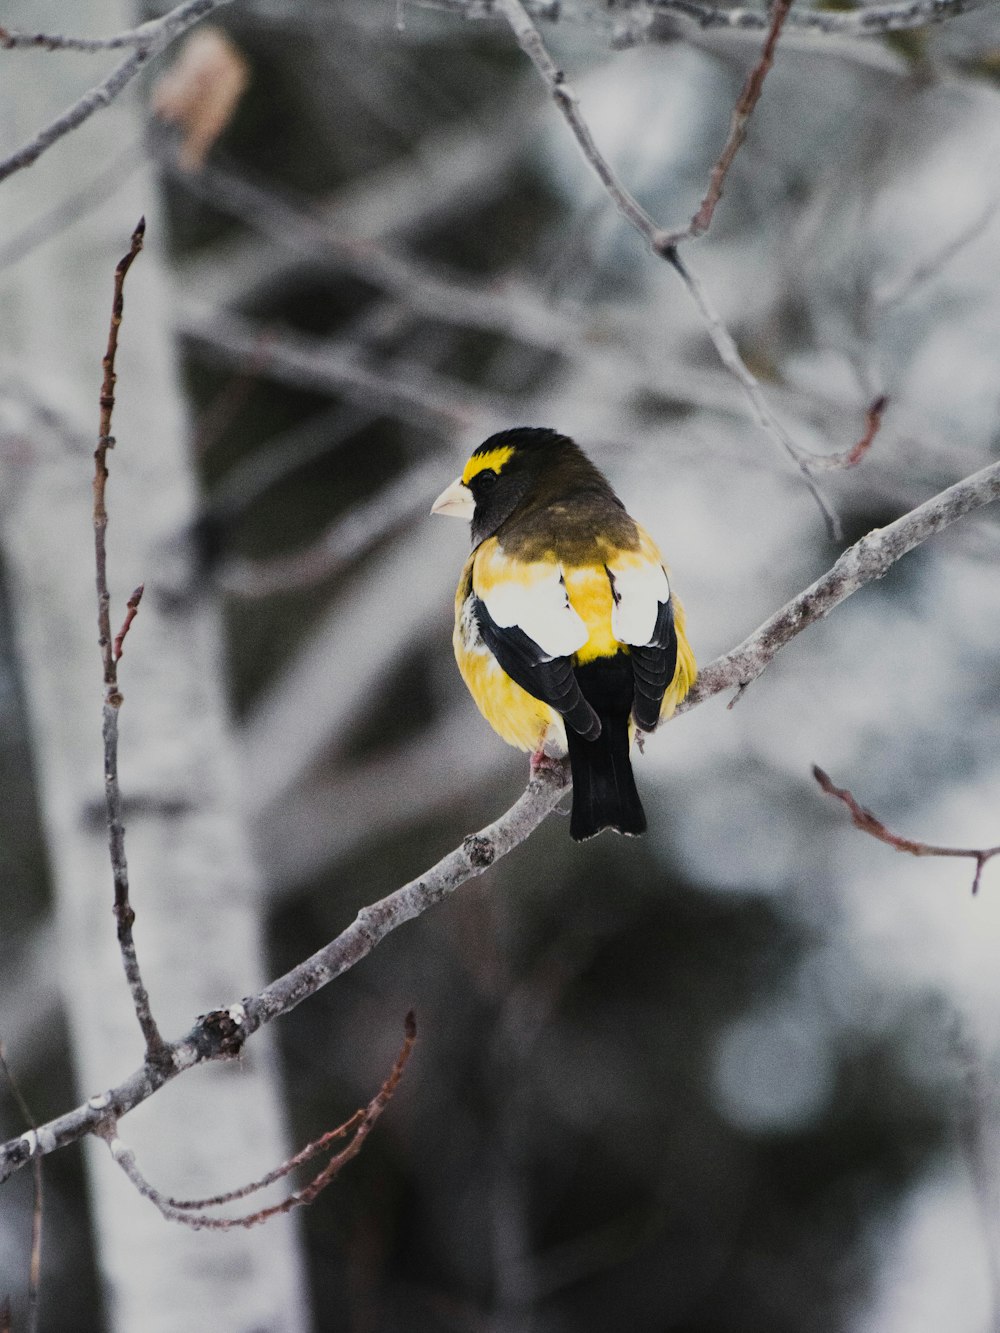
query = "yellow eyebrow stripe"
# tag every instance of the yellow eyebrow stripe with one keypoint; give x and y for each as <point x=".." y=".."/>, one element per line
<point x="493" y="458"/>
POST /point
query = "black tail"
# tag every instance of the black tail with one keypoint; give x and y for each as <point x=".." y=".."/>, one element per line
<point x="604" y="793"/>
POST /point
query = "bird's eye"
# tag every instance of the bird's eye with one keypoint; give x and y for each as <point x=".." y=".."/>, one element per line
<point x="487" y="478"/>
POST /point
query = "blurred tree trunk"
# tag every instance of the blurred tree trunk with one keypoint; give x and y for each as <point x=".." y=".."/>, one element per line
<point x="195" y="890"/>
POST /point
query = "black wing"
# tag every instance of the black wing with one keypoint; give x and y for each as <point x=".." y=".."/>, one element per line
<point x="549" y="679"/>
<point x="653" y="666"/>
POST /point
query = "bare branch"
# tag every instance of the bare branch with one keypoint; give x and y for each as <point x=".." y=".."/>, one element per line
<point x="147" y="35"/>
<point x="416" y="395"/>
<point x="222" y="1033"/>
<point x="158" y="36"/>
<point x="517" y="314"/>
<point x="346" y="539"/>
<point x="110" y="652"/>
<point x="868" y="559"/>
<point x="851" y="457"/>
<point x="868" y="822"/>
<point x="530" y="41"/>
<point x="730" y="357"/>
<point x="743" y="110"/>
<point x="664" y="243"/>
<point x="868" y="21"/>
<point x="191" y="1212"/>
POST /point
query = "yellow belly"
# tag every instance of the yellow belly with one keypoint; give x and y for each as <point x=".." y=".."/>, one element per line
<point x="514" y="714"/>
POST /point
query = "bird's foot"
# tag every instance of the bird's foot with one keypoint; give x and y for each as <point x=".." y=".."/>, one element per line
<point x="544" y="763"/>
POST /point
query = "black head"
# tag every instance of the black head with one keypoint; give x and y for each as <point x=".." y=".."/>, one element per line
<point x="525" y="465"/>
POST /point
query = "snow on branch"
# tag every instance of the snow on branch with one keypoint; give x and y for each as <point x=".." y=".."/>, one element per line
<point x="145" y="43"/>
<point x="222" y="1033"/>
<point x="868" y="822"/>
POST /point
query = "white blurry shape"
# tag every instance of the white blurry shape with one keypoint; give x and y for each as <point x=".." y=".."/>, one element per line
<point x="933" y="1269"/>
<point x="915" y="919"/>
<point x="774" y="1069"/>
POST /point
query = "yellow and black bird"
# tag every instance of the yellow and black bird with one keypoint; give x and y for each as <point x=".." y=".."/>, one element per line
<point x="566" y="632"/>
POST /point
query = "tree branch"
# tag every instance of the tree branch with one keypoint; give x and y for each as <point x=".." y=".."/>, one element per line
<point x="192" y="1212"/>
<point x="222" y="1033"/>
<point x="665" y="243"/>
<point x="868" y="822"/>
<point x="110" y="652"/>
<point x="146" y="42"/>
<point x="868" y="559"/>
<point x="868" y="21"/>
<point x="743" y="110"/>
<point x="413" y="393"/>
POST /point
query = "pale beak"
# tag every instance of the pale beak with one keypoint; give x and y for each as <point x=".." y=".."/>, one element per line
<point x="456" y="500"/>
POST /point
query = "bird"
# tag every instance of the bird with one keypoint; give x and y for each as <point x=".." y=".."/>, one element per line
<point x="567" y="634"/>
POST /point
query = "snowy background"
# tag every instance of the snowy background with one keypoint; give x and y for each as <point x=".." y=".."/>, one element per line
<point x="739" y="1076"/>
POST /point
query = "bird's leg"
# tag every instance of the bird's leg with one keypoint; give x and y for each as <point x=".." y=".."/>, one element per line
<point x="542" y="762"/>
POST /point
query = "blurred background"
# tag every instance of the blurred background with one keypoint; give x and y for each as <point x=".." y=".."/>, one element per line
<point x="737" y="1077"/>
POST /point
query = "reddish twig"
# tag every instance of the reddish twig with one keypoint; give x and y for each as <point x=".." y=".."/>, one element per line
<point x="191" y="1212"/>
<point x="868" y="822"/>
<point x="740" y="120"/>
<point x="132" y="609"/>
<point x="110" y="651"/>
<point x="35" y="1261"/>
<point x="851" y="457"/>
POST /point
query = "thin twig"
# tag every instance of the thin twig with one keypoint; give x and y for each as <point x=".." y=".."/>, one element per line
<point x="35" y="1260"/>
<point x="346" y="539"/>
<point x="412" y="393"/>
<point x="222" y="1033"/>
<point x="110" y="651"/>
<point x="664" y="243"/>
<point x="851" y="457"/>
<point x="191" y="1213"/>
<point x="868" y="822"/>
<point x="519" y="314"/>
<point x="729" y="355"/>
<point x="742" y="111"/>
<point x="132" y="607"/>
<point x="147" y="43"/>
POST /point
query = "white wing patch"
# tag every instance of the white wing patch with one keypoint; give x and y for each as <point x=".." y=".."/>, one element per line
<point x="537" y="603"/>
<point x="639" y="590"/>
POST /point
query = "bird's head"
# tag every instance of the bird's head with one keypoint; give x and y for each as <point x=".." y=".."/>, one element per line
<point x="504" y="471"/>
